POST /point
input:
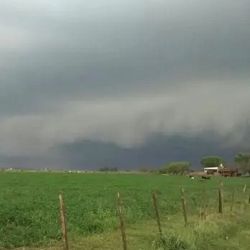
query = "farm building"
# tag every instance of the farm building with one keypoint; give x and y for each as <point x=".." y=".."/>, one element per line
<point x="229" y="172"/>
<point x="211" y="170"/>
<point x="225" y="171"/>
<point x="220" y="170"/>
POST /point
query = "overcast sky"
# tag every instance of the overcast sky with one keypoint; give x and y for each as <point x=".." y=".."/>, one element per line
<point x="121" y="70"/>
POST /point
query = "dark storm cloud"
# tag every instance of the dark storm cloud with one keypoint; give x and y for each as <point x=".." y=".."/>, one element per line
<point x="121" y="70"/>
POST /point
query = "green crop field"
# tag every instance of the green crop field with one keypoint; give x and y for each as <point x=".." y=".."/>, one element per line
<point x="29" y="211"/>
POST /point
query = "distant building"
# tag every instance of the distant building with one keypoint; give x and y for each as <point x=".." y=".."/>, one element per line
<point x="229" y="172"/>
<point x="211" y="170"/>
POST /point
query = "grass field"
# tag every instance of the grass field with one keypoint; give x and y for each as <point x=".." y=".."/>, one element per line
<point x="29" y="211"/>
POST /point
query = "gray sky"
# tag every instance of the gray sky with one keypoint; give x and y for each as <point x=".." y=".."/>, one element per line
<point x="121" y="70"/>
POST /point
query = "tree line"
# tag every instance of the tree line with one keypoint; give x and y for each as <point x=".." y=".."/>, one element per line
<point x="242" y="161"/>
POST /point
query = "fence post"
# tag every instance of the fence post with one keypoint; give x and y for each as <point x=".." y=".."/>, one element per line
<point x="246" y="198"/>
<point x="205" y="204"/>
<point x="63" y="223"/>
<point x="232" y="201"/>
<point x="184" y="206"/>
<point x="201" y="213"/>
<point x="244" y="188"/>
<point x="220" y="199"/>
<point x="157" y="212"/>
<point x="122" y="224"/>
<point x="205" y="211"/>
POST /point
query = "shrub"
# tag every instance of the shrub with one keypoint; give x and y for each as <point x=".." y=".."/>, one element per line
<point x="169" y="242"/>
<point x="177" y="168"/>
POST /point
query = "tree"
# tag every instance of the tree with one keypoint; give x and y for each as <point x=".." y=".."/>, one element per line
<point x="177" y="168"/>
<point x="211" y="161"/>
<point x="108" y="169"/>
<point x="243" y="161"/>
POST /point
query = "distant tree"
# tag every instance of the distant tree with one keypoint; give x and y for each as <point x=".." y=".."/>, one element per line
<point x="243" y="161"/>
<point x="108" y="169"/>
<point x="148" y="170"/>
<point x="211" y="161"/>
<point x="176" y="168"/>
<point x="144" y="169"/>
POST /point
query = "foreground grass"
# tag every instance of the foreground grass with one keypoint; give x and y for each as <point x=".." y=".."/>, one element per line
<point x="224" y="232"/>
<point x="29" y="215"/>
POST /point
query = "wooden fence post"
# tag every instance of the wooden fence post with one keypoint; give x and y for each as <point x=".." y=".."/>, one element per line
<point x="244" y="188"/>
<point x="63" y="223"/>
<point x="205" y="211"/>
<point x="122" y="224"/>
<point x="157" y="212"/>
<point x="205" y="205"/>
<point x="220" y="199"/>
<point x="184" y="206"/>
<point x="232" y="201"/>
<point x="246" y="198"/>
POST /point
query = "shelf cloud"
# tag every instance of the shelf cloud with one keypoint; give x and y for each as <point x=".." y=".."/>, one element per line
<point x="121" y="71"/>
